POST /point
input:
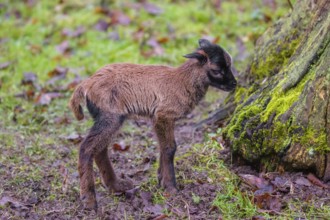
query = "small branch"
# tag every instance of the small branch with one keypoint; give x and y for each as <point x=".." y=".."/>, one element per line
<point x="219" y="115"/>
<point x="290" y="4"/>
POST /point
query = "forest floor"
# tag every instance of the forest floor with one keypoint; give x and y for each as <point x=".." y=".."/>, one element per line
<point x="48" y="47"/>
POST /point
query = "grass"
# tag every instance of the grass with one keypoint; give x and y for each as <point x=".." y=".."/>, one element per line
<point x="34" y="152"/>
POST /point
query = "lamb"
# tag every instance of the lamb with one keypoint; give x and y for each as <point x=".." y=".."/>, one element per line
<point x="162" y="93"/>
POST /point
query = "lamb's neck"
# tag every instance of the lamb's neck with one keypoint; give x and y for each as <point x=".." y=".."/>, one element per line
<point x="194" y="80"/>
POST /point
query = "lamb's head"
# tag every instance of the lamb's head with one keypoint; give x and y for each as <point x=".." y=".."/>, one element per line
<point x="217" y="64"/>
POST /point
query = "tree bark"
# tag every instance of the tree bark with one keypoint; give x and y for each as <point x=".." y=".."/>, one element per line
<point x="282" y="118"/>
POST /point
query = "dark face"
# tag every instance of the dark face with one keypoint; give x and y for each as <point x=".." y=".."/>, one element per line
<point x="220" y="73"/>
<point x="218" y="63"/>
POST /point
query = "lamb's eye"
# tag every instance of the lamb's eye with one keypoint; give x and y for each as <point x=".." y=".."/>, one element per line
<point x="217" y="72"/>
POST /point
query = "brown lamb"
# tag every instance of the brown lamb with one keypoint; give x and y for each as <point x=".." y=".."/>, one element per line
<point x="162" y="93"/>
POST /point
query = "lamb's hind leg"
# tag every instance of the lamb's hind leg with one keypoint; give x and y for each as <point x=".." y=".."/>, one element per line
<point x="95" y="145"/>
<point x="108" y="175"/>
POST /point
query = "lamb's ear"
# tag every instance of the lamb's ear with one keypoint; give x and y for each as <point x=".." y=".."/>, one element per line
<point x="204" y="43"/>
<point x="202" y="59"/>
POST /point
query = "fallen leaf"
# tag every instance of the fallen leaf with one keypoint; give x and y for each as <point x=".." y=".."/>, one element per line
<point x="74" y="83"/>
<point x="152" y="9"/>
<point x="114" y="35"/>
<point x="4" y="65"/>
<point x="62" y="120"/>
<point x="160" y="217"/>
<point x="29" y="78"/>
<point x="157" y="48"/>
<point x="283" y="184"/>
<point x="120" y="147"/>
<point x="163" y="40"/>
<point x="64" y="48"/>
<point x="258" y="217"/>
<point x="267" y="201"/>
<point x="254" y="181"/>
<point x="73" y="33"/>
<point x="154" y="209"/>
<point x="57" y="74"/>
<point x="303" y="181"/>
<point x="46" y="98"/>
<point x="130" y="194"/>
<point x="267" y="189"/>
<point x="146" y="197"/>
<point x="311" y="177"/>
<point x="102" y="25"/>
<point x="74" y="138"/>
<point x="13" y="203"/>
<point x="118" y="17"/>
<point x="101" y="10"/>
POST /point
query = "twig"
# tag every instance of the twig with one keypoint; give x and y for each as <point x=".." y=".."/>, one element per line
<point x="290" y="4"/>
<point x="187" y="208"/>
<point x="54" y="211"/>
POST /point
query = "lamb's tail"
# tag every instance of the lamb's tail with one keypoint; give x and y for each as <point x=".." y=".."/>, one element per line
<point x="76" y="98"/>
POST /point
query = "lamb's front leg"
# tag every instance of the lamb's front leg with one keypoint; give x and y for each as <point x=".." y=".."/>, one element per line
<point x="165" y="132"/>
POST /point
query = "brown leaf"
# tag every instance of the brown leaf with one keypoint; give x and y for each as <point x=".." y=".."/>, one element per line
<point x="64" y="48"/>
<point x="13" y="203"/>
<point x="74" y="83"/>
<point x="258" y="217"/>
<point x="29" y="78"/>
<point x="146" y="198"/>
<point x="102" y="25"/>
<point x="311" y="177"/>
<point x="152" y="9"/>
<point x="74" y="138"/>
<point x="160" y="217"/>
<point x="281" y="183"/>
<point x="73" y="33"/>
<point x="154" y="209"/>
<point x="28" y="94"/>
<point x="5" y="65"/>
<point x="254" y="181"/>
<point x="163" y="40"/>
<point x="118" y="17"/>
<point x="120" y="147"/>
<point x="57" y="74"/>
<point x="101" y="10"/>
<point x="130" y="194"/>
<point x="46" y="98"/>
<point x="157" y="48"/>
<point x="264" y="199"/>
<point x="303" y="181"/>
<point x="62" y="120"/>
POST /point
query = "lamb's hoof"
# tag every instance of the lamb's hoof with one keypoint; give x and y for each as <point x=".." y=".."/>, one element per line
<point x="89" y="203"/>
<point x="171" y="190"/>
<point x="122" y="185"/>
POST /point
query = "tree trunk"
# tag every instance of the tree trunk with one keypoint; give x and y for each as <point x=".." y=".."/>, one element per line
<point x="282" y="118"/>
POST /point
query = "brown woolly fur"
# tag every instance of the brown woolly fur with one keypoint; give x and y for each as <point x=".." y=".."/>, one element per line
<point x="162" y="93"/>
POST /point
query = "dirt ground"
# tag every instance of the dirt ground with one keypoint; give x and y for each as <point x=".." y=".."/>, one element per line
<point x="134" y="155"/>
